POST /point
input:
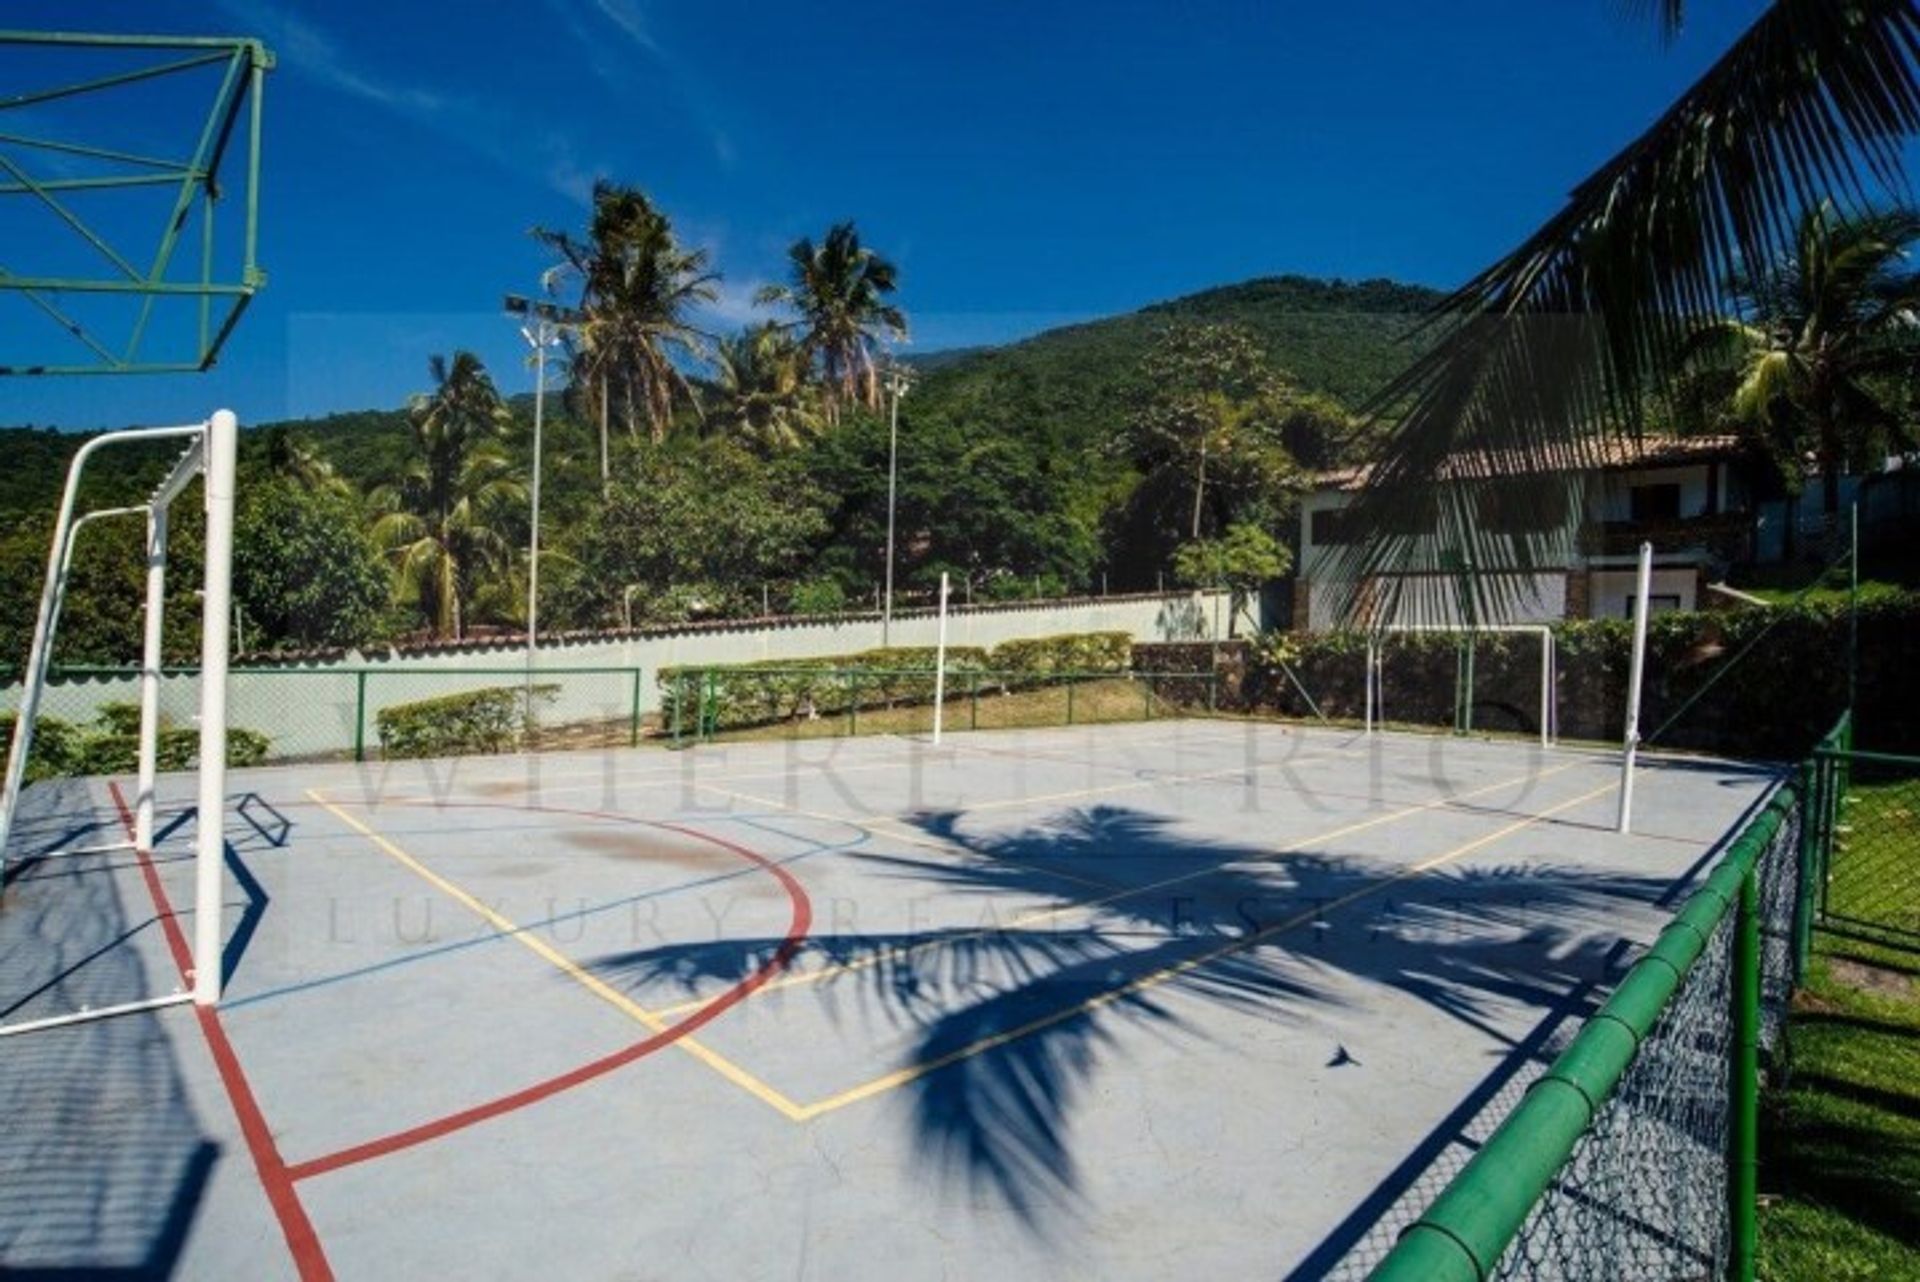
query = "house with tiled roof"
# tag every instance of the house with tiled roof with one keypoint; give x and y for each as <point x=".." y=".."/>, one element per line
<point x="1688" y="496"/>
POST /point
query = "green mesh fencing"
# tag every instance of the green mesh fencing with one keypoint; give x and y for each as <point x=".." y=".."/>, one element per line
<point x="1868" y="810"/>
<point x="1632" y="1153"/>
<point x="798" y="701"/>
<point x="89" y="717"/>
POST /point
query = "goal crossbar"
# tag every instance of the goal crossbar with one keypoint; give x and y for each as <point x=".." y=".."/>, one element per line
<point x="1549" y="712"/>
<point x="210" y="454"/>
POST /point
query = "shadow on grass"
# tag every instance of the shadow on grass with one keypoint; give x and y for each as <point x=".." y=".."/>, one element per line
<point x="1121" y="923"/>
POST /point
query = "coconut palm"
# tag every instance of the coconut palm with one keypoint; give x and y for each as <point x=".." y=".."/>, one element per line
<point x="1558" y="349"/>
<point x="840" y="289"/>
<point x="637" y="289"/>
<point x="1823" y="338"/>
<point x="762" y="394"/>
<point x="443" y="521"/>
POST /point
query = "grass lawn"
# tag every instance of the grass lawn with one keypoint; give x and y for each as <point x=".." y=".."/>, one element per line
<point x="1881" y="575"/>
<point x="1841" y="1142"/>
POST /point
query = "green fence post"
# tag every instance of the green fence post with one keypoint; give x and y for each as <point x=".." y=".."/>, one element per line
<point x="634" y="738"/>
<point x="1146" y="696"/>
<point x="709" y="707"/>
<point x="1809" y="854"/>
<point x="360" y="715"/>
<point x="1743" y="1096"/>
<point x="1213" y="692"/>
<point x="679" y="704"/>
<point x="1070" y="685"/>
<point x="853" y="704"/>
<point x="973" y="702"/>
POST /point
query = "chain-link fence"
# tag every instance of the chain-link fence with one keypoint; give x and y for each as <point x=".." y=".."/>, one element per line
<point x="1869" y="841"/>
<point x="1632" y="1157"/>
<point x="796" y="701"/>
<point x="89" y="717"/>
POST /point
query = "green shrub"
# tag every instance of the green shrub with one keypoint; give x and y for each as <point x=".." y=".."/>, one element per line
<point x="56" y="746"/>
<point x="734" y="696"/>
<point x="111" y="745"/>
<point x="494" y="719"/>
<point x="820" y="596"/>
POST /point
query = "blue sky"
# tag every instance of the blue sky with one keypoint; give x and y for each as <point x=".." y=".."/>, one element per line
<point x="1027" y="164"/>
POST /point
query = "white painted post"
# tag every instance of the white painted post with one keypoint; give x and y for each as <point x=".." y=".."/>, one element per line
<point x="1369" y="686"/>
<point x="209" y="838"/>
<point x="150" y="651"/>
<point x="1635" y="672"/>
<point x="1546" y="689"/>
<point x="940" y="665"/>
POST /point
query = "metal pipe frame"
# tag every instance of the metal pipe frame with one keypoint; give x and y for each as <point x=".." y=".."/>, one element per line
<point x="240" y="95"/>
<point x="1549" y="666"/>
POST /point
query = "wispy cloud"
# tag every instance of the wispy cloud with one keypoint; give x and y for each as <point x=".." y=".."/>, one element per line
<point x="614" y="70"/>
<point x="310" y="50"/>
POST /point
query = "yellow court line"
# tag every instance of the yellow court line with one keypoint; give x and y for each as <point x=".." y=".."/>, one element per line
<point x="902" y="1077"/>
<point x="652" y="1021"/>
<point x="1046" y="914"/>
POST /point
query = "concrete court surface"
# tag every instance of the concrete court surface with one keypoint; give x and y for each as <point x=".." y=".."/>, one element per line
<point x="1106" y="1002"/>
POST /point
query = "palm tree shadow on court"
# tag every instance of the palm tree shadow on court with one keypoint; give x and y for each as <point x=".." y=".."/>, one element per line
<point x="1106" y="919"/>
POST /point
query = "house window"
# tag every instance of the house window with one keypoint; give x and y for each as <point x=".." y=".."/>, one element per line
<point x="1656" y="502"/>
<point x="1531" y="506"/>
<point x="1331" y="527"/>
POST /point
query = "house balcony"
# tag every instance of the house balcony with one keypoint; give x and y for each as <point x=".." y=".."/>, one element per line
<point x="1726" y="537"/>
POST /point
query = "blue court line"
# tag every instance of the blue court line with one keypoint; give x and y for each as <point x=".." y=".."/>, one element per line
<point x="392" y="963"/>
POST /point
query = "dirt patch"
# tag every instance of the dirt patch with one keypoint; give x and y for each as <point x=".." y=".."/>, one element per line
<point x="1872" y="979"/>
<point x="500" y="788"/>
<point x="642" y="846"/>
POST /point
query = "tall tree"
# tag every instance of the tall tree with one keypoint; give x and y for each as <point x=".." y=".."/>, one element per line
<point x="637" y="288"/>
<point x="1555" y="351"/>
<point x="1825" y="339"/>
<point x="1212" y="413"/>
<point x="443" y="521"/>
<point x="840" y="289"/>
<point x="762" y="395"/>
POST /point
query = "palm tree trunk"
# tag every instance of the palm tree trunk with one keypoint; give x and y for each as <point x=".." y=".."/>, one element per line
<point x="606" y="471"/>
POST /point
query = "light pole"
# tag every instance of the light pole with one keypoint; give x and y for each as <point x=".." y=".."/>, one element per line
<point x="898" y="381"/>
<point x="542" y="329"/>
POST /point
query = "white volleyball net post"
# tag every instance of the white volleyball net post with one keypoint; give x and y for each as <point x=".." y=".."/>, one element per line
<point x="210" y="453"/>
<point x="1642" y="597"/>
<point x="940" y="664"/>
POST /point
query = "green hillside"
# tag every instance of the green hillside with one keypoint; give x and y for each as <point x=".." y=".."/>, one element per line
<point x="1016" y="477"/>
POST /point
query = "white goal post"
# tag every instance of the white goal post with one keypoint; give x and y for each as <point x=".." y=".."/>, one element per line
<point x="211" y="450"/>
<point x="1549" y="710"/>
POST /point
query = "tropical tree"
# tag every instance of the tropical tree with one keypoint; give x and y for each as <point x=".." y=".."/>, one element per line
<point x="1825" y="341"/>
<point x="1559" y="347"/>
<point x="840" y="289"/>
<point x="443" y="521"/>
<point x="637" y="288"/>
<point x="291" y="456"/>
<point x="304" y="570"/>
<point x="762" y="395"/>
<point x="1212" y="415"/>
<point x="1243" y="560"/>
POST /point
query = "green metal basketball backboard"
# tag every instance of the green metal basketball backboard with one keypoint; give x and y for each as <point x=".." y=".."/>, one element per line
<point x="116" y="154"/>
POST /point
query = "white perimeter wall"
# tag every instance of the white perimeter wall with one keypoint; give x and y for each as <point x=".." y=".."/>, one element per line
<point x="310" y="709"/>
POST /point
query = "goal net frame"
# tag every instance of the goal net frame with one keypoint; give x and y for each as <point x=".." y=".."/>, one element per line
<point x="210" y="453"/>
<point x="1549" y="703"/>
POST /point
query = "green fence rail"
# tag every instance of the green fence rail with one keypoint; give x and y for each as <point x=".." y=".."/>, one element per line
<point x="1635" y="1153"/>
<point x="702" y="704"/>
<point x="1866" y="841"/>
<point x="340" y="713"/>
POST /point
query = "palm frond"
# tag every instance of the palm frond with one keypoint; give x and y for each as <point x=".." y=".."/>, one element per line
<point x="1555" y="351"/>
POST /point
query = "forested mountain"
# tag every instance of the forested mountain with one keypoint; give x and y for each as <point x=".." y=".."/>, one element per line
<point x="1018" y="474"/>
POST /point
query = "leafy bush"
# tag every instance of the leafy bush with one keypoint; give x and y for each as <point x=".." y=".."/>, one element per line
<point x="1784" y="692"/>
<point x="750" y="694"/>
<point x="111" y="745"/>
<point x="494" y="719"/>
<point x="820" y="596"/>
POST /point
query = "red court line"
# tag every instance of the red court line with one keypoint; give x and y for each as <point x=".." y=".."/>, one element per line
<point x="302" y="1241"/>
<point x="798" y="928"/>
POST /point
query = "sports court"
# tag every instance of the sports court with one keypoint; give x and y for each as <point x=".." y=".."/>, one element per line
<point x="1098" y="1002"/>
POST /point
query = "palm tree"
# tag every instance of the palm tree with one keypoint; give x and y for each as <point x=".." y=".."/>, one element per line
<point x="1821" y="339"/>
<point x="1558" y="349"/>
<point x="637" y="288"/>
<point x="840" y="288"/>
<point x="442" y="521"/>
<point x="294" y="457"/>
<point x="763" y="395"/>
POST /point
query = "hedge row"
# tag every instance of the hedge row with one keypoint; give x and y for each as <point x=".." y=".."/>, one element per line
<point x="110" y="745"/>
<point x="493" y="719"/>
<point x="1774" y="703"/>
<point x="775" y="690"/>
